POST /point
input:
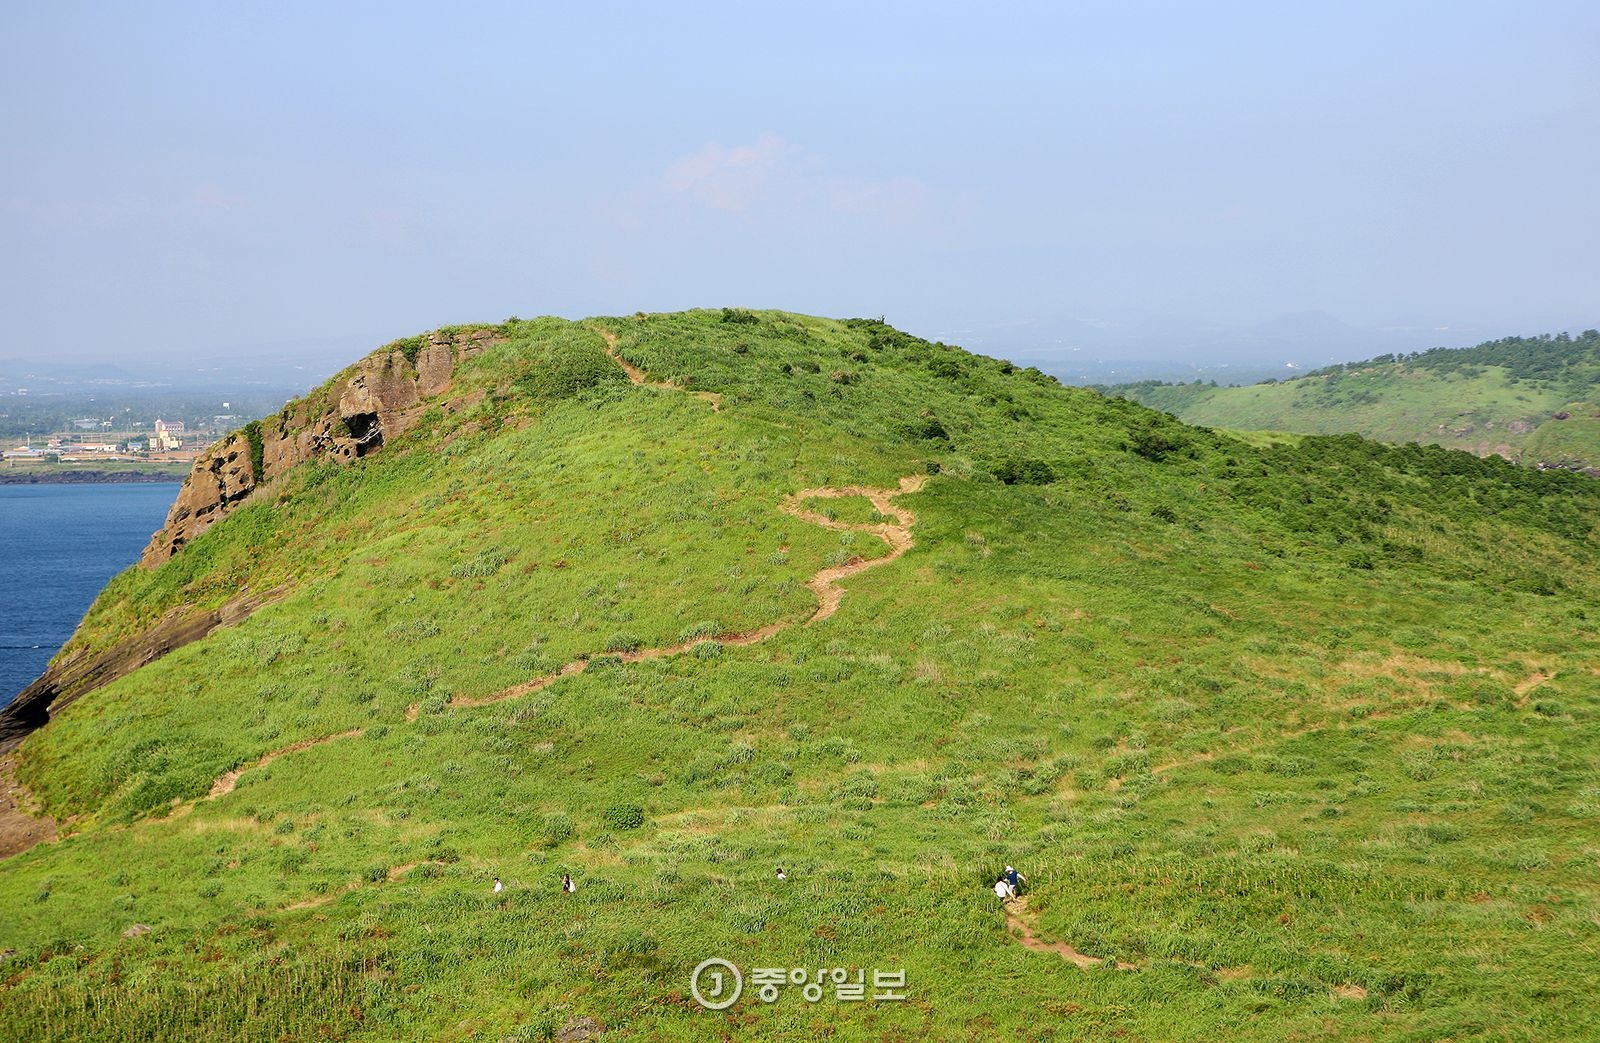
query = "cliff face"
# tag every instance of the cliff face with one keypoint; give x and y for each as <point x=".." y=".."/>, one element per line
<point x="384" y="396"/>
<point x="219" y="481"/>
<point x="77" y="673"/>
<point x="381" y="400"/>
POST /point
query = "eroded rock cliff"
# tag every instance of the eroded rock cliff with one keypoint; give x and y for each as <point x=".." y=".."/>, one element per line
<point x="379" y="399"/>
<point x="78" y="673"/>
<point x="375" y="401"/>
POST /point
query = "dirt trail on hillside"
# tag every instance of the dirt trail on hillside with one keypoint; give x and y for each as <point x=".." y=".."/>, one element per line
<point x="228" y="780"/>
<point x="395" y="873"/>
<point x="824" y="584"/>
<point x="1521" y="689"/>
<point x="20" y="827"/>
<point x="1528" y="684"/>
<point x="1018" y="927"/>
<point x="894" y="530"/>
<point x="1023" y="932"/>
<point x="636" y="375"/>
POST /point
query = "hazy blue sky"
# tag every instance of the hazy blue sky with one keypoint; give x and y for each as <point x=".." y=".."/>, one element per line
<point x="197" y="177"/>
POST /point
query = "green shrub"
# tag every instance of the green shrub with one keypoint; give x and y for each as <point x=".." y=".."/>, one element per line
<point x="1024" y="471"/>
<point x="1155" y="442"/>
<point x="624" y="816"/>
<point x="622" y="643"/>
<point x="557" y="828"/>
<point x="566" y="366"/>
<point x="258" y="451"/>
<point x="704" y="628"/>
<point x="481" y="565"/>
<point x="410" y="347"/>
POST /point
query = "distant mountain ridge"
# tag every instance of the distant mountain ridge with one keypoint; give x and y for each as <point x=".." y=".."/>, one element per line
<point x="1533" y="400"/>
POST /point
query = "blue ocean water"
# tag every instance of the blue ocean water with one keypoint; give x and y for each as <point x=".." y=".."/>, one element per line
<point x="59" y="546"/>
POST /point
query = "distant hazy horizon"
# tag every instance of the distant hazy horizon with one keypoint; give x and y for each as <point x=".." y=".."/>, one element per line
<point x="1120" y="348"/>
<point x="1128" y="182"/>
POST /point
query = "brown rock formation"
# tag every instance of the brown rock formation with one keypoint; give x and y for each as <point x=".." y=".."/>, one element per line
<point x="79" y="673"/>
<point x="219" y="481"/>
<point x="381" y="398"/>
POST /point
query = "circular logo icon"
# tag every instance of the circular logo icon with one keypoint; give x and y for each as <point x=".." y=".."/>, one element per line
<point x="721" y="993"/>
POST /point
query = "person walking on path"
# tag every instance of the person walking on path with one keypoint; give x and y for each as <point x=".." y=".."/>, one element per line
<point x="1003" y="890"/>
<point x="1015" y="879"/>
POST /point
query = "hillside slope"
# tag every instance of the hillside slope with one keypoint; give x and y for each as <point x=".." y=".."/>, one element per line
<point x="1290" y="741"/>
<point x="1533" y="400"/>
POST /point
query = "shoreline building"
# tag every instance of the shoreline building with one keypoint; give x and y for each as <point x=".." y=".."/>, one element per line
<point x="168" y="436"/>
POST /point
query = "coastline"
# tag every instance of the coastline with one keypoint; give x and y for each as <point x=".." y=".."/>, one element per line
<point x="62" y="548"/>
<point x="8" y="477"/>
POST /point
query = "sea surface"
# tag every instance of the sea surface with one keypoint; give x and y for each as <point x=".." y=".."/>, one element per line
<point x="59" y="546"/>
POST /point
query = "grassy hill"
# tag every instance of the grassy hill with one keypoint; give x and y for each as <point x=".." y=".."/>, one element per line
<point x="1535" y="400"/>
<point x="1291" y="741"/>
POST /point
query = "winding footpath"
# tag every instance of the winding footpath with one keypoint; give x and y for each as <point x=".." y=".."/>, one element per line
<point x="1020" y="929"/>
<point x="20" y="830"/>
<point x="825" y="584"/>
<point x="638" y="379"/>
<point x="894" y="529"/>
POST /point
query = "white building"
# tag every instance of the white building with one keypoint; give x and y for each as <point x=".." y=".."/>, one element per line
<point x="168" y="436"/>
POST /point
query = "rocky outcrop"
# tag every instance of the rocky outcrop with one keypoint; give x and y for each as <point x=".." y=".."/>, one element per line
<point x="80" y="672"/>
<point x="1592" y="472"/>
<point x="219" y="481"/>
<point x="380" y="398"/>
<point x="375" y="401"/>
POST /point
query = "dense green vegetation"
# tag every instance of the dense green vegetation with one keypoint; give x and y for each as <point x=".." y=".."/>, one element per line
<point x="1561" y="363"/>
<point x="1531" y="399"/>
<point x="1303" y="734"/>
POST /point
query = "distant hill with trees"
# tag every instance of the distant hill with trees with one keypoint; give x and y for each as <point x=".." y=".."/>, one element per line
<point x="1533" y="400"/>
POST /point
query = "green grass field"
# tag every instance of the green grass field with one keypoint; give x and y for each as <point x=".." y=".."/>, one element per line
<point x="1298" y="740"/>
